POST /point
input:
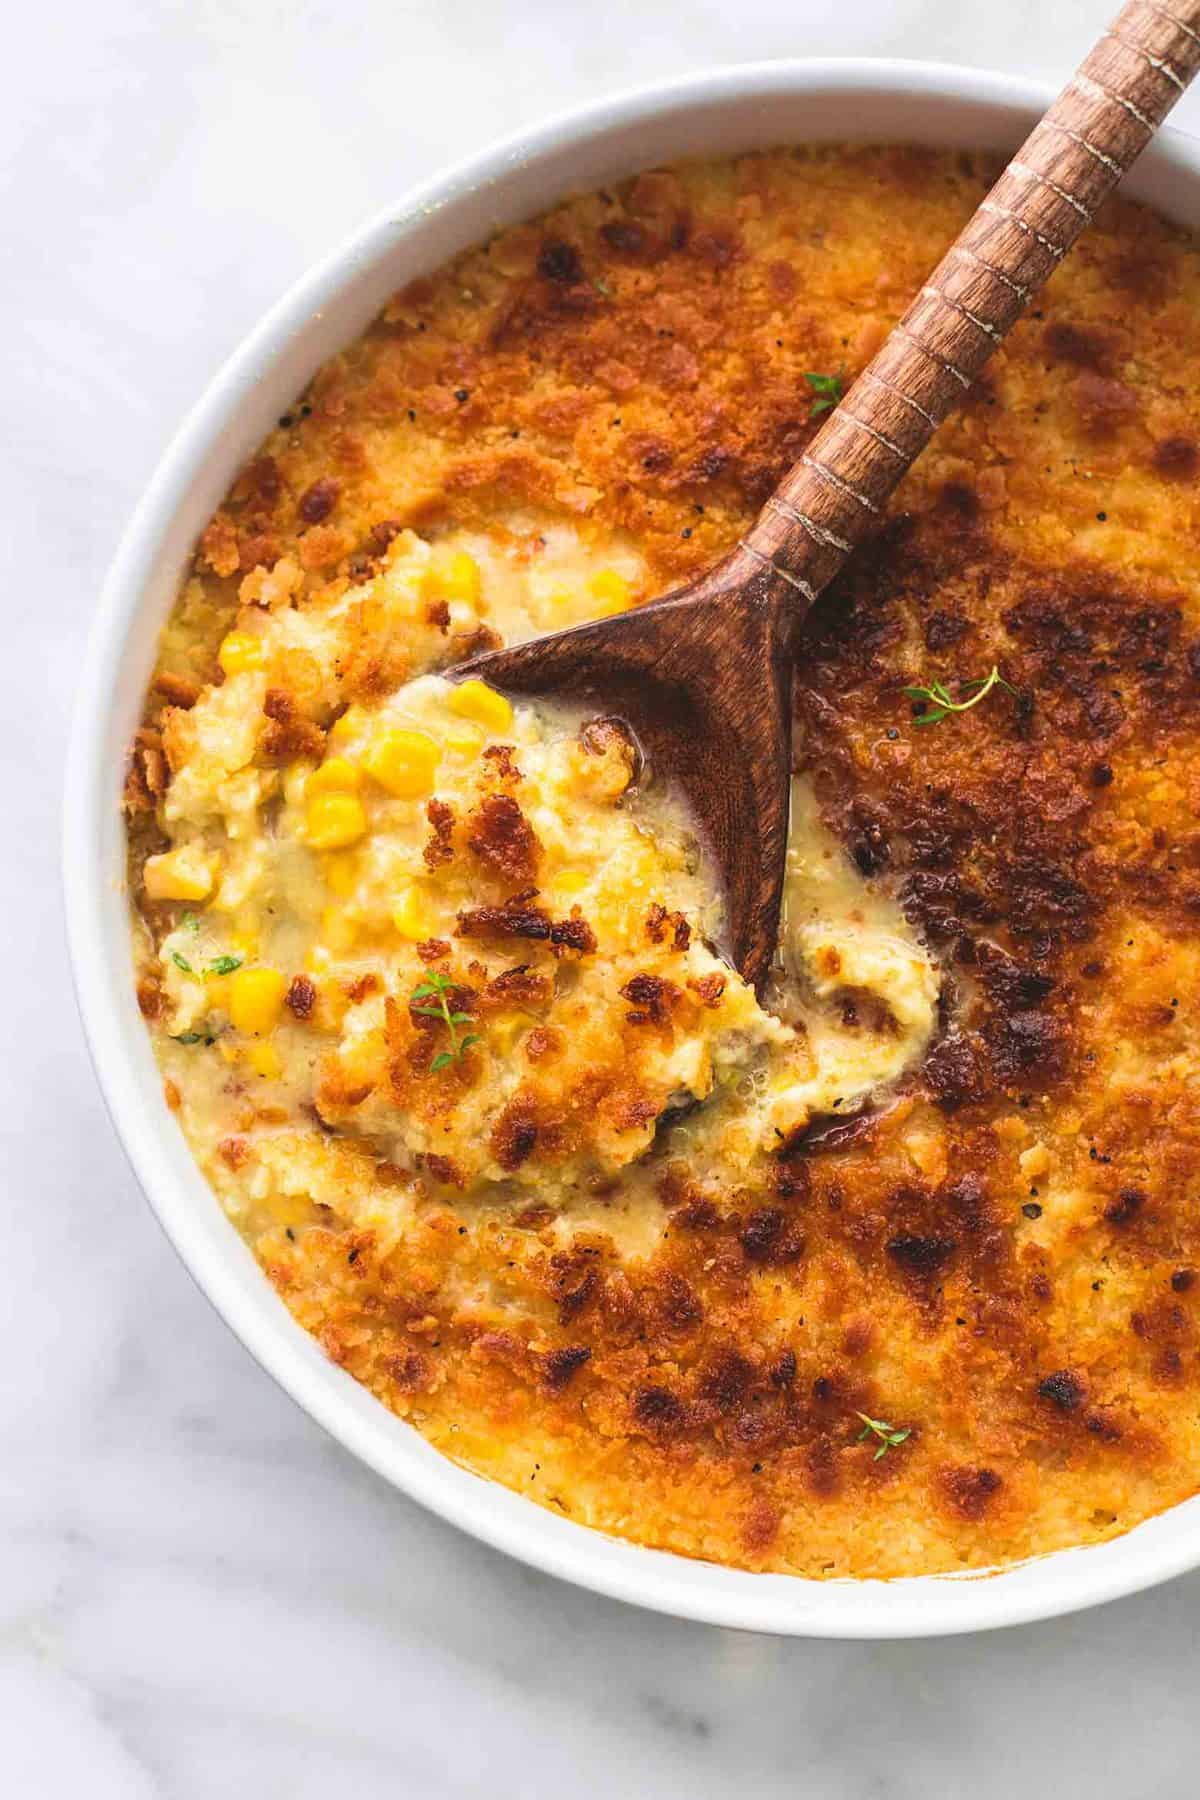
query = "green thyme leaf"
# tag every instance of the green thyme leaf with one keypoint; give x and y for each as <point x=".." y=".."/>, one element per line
<point x="435" y="988"/>
<point x="225" y="965"/>
<point x="889" y="1437"/>
<point x="430" y="988"/>
<point x="194" y="1037"/>
<point x="940" y="701"/>
<point x="181" y="962"/>
<point x="827" y="389"/>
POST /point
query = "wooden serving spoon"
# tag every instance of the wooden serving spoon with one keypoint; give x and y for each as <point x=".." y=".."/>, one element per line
<point x="703" y="676"/>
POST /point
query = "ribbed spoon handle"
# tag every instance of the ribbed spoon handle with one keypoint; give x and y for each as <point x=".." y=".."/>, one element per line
<point x="1070" y="163"/>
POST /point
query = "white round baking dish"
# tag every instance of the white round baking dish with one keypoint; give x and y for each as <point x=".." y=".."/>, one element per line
<point x="729" y="110"/>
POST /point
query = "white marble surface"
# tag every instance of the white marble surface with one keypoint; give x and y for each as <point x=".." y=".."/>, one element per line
<point x="199" y="1594"/>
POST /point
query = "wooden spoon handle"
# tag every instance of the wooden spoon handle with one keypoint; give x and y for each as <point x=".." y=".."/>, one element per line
<point x="1073" y="159"/>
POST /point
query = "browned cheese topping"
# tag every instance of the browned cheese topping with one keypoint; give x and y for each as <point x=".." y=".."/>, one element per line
<point x="432" y="981"/>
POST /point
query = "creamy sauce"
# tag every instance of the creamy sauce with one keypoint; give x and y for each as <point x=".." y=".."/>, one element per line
<point x="346" y="1062"/>
<point x="842" y="939"/>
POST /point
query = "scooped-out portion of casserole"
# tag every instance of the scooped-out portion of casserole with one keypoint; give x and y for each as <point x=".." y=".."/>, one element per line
<point x="891" y="1269"/>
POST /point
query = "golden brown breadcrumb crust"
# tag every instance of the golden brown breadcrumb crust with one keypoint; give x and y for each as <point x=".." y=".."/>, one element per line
<point x="1002" y="1262"/>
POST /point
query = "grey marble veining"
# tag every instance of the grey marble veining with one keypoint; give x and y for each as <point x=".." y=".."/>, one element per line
<point x="200" y="1594"/>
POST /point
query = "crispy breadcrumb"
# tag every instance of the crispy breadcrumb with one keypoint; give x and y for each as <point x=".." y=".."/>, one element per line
<point x="1000" y="1261"/>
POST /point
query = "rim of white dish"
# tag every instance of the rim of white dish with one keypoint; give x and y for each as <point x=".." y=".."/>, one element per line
<point x="98" y="934"/>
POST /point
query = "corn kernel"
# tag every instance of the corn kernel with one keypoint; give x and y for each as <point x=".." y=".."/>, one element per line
<point x="317" y="960"/>
<point x="336" y="775"/>
<point x="184" y="874"/>
<point x="404" y="762"/>
<point x="476" y="700"/>
<point x="334" y="820"/>
<point x="265" y="1060"/>
<point x="570" y="881"/>
<point x="610" y="591"/>
<point x="239" y="651"/>
<point x="411" y="915"/>
<point x="454" y="577"/>
<point x="341" y="872"/>
<point x="216" y="990"/>
<point x="464" y="740"/>
<point x="256" y="999"/>
<point x="338" y="930"/>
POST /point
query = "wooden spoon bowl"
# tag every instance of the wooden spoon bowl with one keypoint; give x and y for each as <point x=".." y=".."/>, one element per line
<point x="703" y="678"/>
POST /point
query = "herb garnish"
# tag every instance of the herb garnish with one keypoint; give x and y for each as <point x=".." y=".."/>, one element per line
<point x="221" y="965"/>
<point x="828" y="391"/>
<point x="887" y="1435"/>
<point x="434" y="989"/>
<point x="940" y="701"/>
<point x="194" y="1037"/>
